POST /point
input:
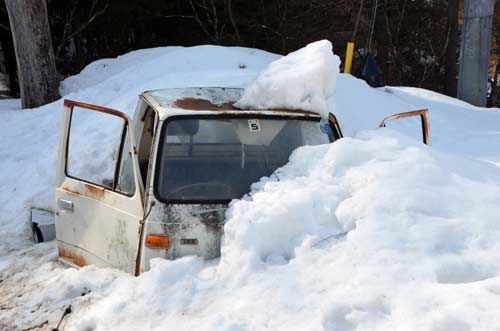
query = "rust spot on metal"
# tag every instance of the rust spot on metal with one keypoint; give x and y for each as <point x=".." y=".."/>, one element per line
<point x="229" y="108"/>
<point x="202" y="104"/>
<point x="94" y="191"/>
<point x="91" y="191"/>
<point x="294" y="111"/>
<point x="67" y="189"/>
<point x="72" y="257"/>
<point x="424" y="119"/>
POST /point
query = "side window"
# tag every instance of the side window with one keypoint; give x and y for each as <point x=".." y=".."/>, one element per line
<point x="98" y="150"/>
<point x="125" y="172"/>
<point x="145" y="141"/>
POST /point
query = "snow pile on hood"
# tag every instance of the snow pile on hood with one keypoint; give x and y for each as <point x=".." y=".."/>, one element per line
<point x="422" y="251"/>
<point x="302" y="80"/>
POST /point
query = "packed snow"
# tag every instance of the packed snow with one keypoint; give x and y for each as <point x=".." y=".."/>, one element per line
<point x="303" y="79"/>
<point x="420" y="250"/>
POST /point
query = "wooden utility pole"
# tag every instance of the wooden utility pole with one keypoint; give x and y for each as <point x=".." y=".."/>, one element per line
<point x="38" y="79"/>
<point x="475" y="51"/>
<point x="451" y="50"/>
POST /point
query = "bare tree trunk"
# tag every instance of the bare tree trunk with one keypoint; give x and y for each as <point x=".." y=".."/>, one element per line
<point x="38" y="80"/>
<point x="451" y="50"/>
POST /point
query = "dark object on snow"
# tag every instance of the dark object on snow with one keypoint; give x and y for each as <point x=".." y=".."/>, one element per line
<point x="370" y="72"/>
<point x="67" y="311"/>
<point x="494" y="90"/>
<point x="43" y="225"/>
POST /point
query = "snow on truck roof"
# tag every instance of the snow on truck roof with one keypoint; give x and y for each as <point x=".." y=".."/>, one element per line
<point x="207" y="100"/>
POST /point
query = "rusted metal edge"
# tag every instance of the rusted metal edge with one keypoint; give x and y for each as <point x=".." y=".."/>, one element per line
<point x="71" y="257"/>
<point x="91" y="190"/>
<point x="198" y="104"/>
<point x="77" y="256"/>
<point x="264" y="112"/>
<point x="70" y="104"/>
<point x="424" y="119"/>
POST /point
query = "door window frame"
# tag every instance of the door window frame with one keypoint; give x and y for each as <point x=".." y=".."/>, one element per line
<point x="125" y="130"/>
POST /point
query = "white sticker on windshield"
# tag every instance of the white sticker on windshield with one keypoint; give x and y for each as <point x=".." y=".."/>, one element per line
<point x="254" y="125"/>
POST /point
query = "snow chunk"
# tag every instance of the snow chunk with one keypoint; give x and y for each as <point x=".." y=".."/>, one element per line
<point x="303" y="79"/>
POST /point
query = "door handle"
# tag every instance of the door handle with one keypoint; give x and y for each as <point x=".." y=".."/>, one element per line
<point x="65" y="204"/>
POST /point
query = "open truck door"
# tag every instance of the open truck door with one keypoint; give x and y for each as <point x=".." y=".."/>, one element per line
<point x="99" y="204"/>
<point x="424" y="121"/>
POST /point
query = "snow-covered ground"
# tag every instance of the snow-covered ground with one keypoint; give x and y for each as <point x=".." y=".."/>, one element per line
<point x="422" y="252"/>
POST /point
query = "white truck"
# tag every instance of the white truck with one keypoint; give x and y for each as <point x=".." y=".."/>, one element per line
<point x="185" y="155"/>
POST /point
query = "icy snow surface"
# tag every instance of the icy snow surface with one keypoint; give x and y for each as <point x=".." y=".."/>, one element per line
<point x="422" y="251"/>
<point x="303" y="79"/>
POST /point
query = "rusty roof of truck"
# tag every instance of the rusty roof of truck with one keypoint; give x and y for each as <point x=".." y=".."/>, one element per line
<point x="207" y="100"/>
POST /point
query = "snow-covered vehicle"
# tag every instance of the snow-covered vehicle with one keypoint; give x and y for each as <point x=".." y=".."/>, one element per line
<point x="185" y="155"/>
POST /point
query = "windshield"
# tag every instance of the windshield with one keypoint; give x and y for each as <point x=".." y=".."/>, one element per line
<point x="216" y="159"/>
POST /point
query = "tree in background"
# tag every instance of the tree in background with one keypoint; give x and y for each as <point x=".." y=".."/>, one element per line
<point x="412" y="40"/>
<point x="38" y="78"/>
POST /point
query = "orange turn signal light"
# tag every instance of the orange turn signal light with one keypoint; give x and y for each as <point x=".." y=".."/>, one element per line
<point x="157" y="241"/>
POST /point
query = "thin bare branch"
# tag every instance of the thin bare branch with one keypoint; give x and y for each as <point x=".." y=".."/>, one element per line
<point x="198" y="19"/>
<point x="358" y="17"/>
<point x="5" y="27"/>
<point x="68" y="35"/>
<point x="233" y="21"/>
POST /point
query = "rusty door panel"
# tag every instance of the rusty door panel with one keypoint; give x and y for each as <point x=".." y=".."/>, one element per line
<point x="102" y="226"/>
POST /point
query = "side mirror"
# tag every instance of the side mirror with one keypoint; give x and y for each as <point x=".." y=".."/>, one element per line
<point x="424" y="119"/>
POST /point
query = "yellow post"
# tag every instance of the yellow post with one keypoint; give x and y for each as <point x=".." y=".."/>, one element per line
<point x="348" y="57"/>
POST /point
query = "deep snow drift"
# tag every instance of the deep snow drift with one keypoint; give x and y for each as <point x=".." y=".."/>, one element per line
<point x="408" y="262"/>
<point x="421" y="253"/>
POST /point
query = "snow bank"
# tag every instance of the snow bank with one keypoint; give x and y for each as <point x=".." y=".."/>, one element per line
<point x="303" y="80"/>
<point x="421" y="251"/>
